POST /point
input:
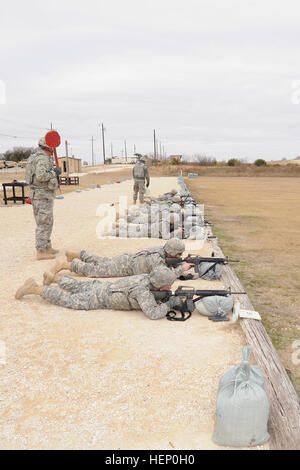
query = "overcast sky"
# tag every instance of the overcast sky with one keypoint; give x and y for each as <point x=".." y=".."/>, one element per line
<point x="212" y="77"/>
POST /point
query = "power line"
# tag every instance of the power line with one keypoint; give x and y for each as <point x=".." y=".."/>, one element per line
<point x="16" y="136"/>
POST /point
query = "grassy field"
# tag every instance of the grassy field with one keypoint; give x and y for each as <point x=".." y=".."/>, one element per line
<point x="239" y="170"/>
<point x="257" y="221"/>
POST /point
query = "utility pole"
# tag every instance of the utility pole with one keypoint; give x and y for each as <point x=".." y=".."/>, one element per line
<point x="103" y="143"/>
<point x="160" y="149"/>
<point x="134" y="149"/>
<point x="93" y="151"/>
<point x="51" y="126"/>
<point x="154" y="138"/>
<point x="67" y="157"/>
<point x="111" y="151"/>
<point x="125" y="150"/>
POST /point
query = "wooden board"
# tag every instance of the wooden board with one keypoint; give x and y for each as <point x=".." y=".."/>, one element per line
<point x="284" y="422"/>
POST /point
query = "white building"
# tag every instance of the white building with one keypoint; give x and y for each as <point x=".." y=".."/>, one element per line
<point x="123" y="160"/>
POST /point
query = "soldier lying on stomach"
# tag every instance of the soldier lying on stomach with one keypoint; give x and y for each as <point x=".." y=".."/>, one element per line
<point x="128" y="264"/>
<point x="129" y="293"/>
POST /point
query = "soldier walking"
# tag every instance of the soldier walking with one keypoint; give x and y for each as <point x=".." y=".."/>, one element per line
<point x="140" y="176"/>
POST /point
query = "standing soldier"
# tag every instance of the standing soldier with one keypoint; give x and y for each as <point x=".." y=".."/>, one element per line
<point x="140" y="174"/>
<point x="42" y="177"/>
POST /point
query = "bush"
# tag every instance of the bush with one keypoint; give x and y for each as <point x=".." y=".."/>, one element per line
<point x="18" y="154"/>
<point x="203" y="160"/>
<point x="260" y="162"/>
<point x="233" y="162"/>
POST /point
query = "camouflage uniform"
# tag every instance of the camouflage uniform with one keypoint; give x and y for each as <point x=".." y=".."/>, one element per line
<point x="159" y="229"/>
<point x="168" y="198"/>
<point x="130" y="293"/>
<point x="142" y="262"/>
<point x="140" y="174"/>
<point x="43" y="184"/>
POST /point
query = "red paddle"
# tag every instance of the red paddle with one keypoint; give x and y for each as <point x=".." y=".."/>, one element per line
<point x="52" y="139"/>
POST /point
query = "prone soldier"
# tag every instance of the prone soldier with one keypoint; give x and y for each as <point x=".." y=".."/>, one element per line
<point x="143" y="262"/>
<point x="129" y="293"/>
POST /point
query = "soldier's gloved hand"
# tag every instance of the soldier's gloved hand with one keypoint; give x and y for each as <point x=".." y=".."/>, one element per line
<point x="57" y="171"/>
<point x="147" y="185"/>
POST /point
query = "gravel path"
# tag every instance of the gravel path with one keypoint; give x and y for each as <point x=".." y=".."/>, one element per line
<point x="102" y="379"/>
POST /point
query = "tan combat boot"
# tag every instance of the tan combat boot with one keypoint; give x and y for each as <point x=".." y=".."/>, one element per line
<point x="51" y="250"/>
<point x="44" y="255"/>
<point x="60" y="266"/>
<point x="70" y="255"/>
<point x="29" y="287"/>
<point x="49" y="278"/>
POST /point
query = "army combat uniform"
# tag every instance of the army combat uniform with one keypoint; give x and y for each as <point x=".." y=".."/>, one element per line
<point x="130" y="293"/>
<point x="142" y="262"/>
<point x="43" y="184"/>
<point x="162" y="229"/>
<point x="140" y="174"/>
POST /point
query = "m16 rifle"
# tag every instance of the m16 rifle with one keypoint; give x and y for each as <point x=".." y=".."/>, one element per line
<point x="187" y="304"/>
<point x="197" y="260"/>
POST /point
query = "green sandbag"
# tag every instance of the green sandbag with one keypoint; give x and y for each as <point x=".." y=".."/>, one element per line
<point x="242" y="406"/>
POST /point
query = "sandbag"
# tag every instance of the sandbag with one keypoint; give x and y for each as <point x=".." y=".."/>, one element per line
<point x="195" y="233"/>
<point x="210" y="271"/>
<point x="242" y="406"/>
<point x="215" y="305"/>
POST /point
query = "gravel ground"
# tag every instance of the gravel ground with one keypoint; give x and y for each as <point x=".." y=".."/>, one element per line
<point x="102" y="379"/>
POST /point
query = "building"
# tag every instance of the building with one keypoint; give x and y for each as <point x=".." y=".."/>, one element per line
<point x="74" y="165"/>
<point x="123" y="160"/>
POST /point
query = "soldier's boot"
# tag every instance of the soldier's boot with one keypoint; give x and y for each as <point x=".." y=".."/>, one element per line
<point x="44" y="255"/>
<point x="29" y="287"/>
<point x="51" y="250"/>
<point x="50" y="278"/>
<point x="60" y="265"/>
<point x="70" y="255"/>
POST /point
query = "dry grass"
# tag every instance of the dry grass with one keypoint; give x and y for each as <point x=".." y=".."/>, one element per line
<point x="240" y="170"/>
<point x="86" y="181"/>
<point x="258" y="222"/>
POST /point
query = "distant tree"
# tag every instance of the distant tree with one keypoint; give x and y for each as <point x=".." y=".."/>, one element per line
<point x="18" y="154"/>
<point x="233" y="162"/>
<point x="204" y="160"/>
<point x="260" y="162"/>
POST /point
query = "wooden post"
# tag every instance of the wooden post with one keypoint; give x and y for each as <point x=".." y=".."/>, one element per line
<point x="67" y="158"/>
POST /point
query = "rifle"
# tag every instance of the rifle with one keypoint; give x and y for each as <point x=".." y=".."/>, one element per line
<point x="187" y="200"/>
<point x="195" y="219"/>
<point x="188" y="302"/>
<point x="196" y="260"/>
